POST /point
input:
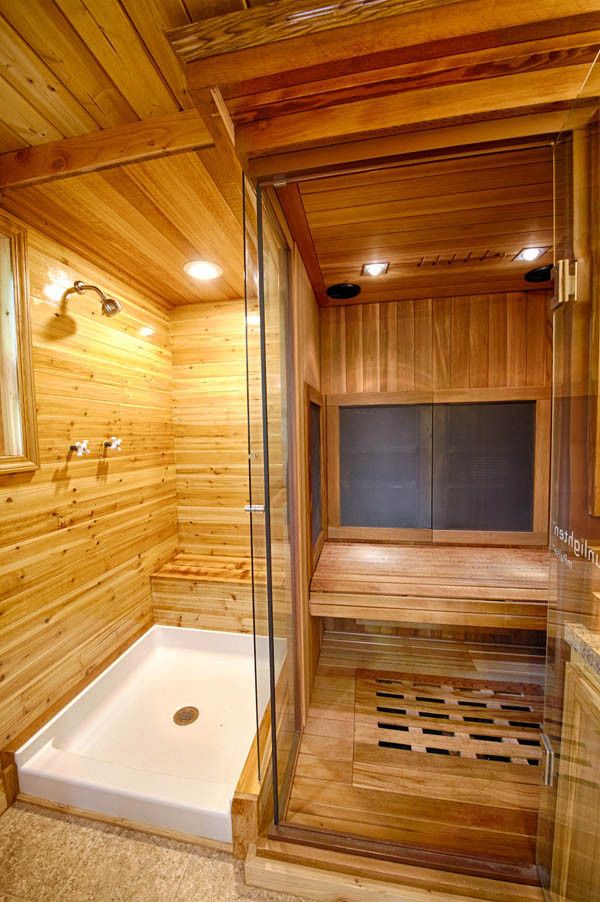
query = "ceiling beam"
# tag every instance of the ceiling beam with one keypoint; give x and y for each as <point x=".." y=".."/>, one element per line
<point x="158" y="136"/>
<point x="460" y="27"/>
<point x="295" y="214"/>
<point x="282" y="20"/>
<point x="409" y="110"/>
<point x="452" y="140"/>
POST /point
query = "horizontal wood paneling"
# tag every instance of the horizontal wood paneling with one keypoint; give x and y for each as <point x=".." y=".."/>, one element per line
<point x="211" y="435"/>
<point x="80" y="536"/>
<point x="484" y="341"/>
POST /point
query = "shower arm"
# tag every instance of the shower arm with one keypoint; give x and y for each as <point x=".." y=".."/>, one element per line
<point x="79" y="286"/>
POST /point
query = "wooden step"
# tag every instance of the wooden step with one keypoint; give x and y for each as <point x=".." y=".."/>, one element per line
<point x="312" y="872"/>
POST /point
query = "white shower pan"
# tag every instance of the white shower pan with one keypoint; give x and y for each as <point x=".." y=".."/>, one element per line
<point x="116" y="750"/>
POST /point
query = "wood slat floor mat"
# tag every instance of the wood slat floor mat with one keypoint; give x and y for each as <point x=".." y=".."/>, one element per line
<point x="458" y="800"/>
<point x="475" y="721"/>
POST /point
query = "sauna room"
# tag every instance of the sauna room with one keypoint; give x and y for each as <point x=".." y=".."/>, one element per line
<point x="299" y="450"/>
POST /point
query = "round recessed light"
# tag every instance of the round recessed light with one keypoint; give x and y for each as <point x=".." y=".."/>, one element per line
<point x="203" y="270"/>
<point x="343" y="291"/>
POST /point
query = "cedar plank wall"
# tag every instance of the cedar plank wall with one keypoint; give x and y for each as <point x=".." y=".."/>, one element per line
<point x="496" y="340"/>
<point x="211" y="435"/>
<point x="479" y="341"/>
<point x="80" y="537"/>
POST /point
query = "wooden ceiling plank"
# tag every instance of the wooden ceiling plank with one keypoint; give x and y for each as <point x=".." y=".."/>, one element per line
<point x="57" y="216"/>
<point x="152" y="19"/>
<point x="35" y="81"/>
<point x="455" y="139"/>
<point x="407" y="171"/>
<point x="454" y="28"/>
<point x="158" y="136"/>
<point x="110" y="37"/>
<point x="430" y="185"/>
<point x="455" y="220"/>
<point x="366" y="117"/>
<point x="441" y="204"/>
<point x="509" y="243"/>
<point x="293" y="208"/>
<point x="54" y="40"/>
<point x="9" y="139"/>
<point x="23" y="118"/>
<point x="203" y="216"/>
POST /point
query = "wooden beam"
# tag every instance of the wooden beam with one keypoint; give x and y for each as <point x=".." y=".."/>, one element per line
<point x="410" y="109"/>
<point x="449" y="141"/>
<point x="151" y="138"/>
<point x="282" y="20"/>
<point x="295" y="214"/>
<point x="454" y="28"/>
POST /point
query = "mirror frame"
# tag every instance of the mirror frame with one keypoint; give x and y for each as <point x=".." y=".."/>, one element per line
<point x="29" y="460"/>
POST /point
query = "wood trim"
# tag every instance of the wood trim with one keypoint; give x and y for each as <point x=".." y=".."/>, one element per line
<point x="156" y="137"/>
<point x="30" y="458"/>
<point x="280" y="21"/>
<point x="295" y="215"/>
<point x="538" y="536"/>
<point x="314" y="396"/>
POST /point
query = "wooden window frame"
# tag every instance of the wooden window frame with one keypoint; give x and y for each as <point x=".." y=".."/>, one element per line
<point x="29" y="459"/>
<point x="313" y="396"/>
<point x="541" y="488"/>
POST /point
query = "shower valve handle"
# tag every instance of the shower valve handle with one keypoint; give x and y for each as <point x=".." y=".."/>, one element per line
<point x="113" y="443"/>
<point x="80" y="448"/>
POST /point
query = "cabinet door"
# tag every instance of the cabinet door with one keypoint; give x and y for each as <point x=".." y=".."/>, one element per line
<point x="576" y="867"/>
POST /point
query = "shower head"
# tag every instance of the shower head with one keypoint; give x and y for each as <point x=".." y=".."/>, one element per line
<point x="109" y="306"/>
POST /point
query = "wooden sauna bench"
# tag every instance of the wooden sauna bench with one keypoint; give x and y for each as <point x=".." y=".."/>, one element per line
<point x="204" y="591"/>
<point x="470" y="586"/>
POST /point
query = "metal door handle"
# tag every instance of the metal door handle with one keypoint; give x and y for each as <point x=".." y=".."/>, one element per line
<point x="254" y="508"/>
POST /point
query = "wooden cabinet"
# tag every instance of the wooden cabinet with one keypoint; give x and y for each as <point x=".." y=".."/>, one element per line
<point x="576" y="865"/>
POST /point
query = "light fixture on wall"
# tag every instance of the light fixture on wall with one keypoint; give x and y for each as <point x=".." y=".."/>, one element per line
<point x="146" y="331"/>
<point x="203" y="270"/>
<point x="529" y="254"/>
<point x="375" y="269"/>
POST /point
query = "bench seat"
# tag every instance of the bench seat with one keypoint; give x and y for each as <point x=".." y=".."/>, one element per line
<point x="467" y="586"/>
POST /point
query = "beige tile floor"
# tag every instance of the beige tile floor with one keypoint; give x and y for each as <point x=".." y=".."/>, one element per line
<point x="47" y="856"/>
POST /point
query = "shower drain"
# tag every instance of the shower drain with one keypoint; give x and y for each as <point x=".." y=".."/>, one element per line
<point x="185" y="716"/>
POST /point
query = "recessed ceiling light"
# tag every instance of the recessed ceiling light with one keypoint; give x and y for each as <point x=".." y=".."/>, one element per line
<point x="146" y="331"/>
<point x="203" y="270"/>
<point x="375" y="269"/>
<point x="529" y="254"/>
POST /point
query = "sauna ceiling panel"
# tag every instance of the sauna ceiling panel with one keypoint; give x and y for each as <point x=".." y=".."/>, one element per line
<point x="143" y="222"/>
<point x="445" y="227"/>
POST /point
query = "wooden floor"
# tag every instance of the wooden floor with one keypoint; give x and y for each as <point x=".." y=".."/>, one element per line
<point x="453" y="806"/>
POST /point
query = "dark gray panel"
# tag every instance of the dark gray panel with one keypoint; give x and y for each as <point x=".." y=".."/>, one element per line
<point x="385" y="466"/>
<point x="315" y="472"/>
<point x="483" y="466"/>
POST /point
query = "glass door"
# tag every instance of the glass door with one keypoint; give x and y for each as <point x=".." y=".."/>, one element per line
<point x="269" y="368"/>
<point x="575" y="493"/>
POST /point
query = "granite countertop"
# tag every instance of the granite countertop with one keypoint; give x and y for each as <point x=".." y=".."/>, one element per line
<point x="585" y="642"/>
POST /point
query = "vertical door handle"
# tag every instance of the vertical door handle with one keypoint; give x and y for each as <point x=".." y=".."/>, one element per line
<point x="549" y="758"/>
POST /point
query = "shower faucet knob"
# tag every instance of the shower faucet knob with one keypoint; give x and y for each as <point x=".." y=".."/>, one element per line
<point x="113" y="443"/>
<point x="80" y="448"/>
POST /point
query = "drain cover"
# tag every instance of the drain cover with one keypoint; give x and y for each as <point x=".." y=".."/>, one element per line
<point x="185" y="716"/>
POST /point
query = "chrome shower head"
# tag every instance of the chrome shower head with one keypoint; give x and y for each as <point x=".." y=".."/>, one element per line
<point x="109" y="306"/>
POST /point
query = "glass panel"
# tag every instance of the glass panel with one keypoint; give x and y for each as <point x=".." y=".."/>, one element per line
<point x="11" y="429"/>
<point x="483" y="466"/>
<point x="315" y="467"/>
<point x="256" y="474"/>
<point x="276" y="359"/>
<point x="575" y="520"/>
<point x="385" y="466"/>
